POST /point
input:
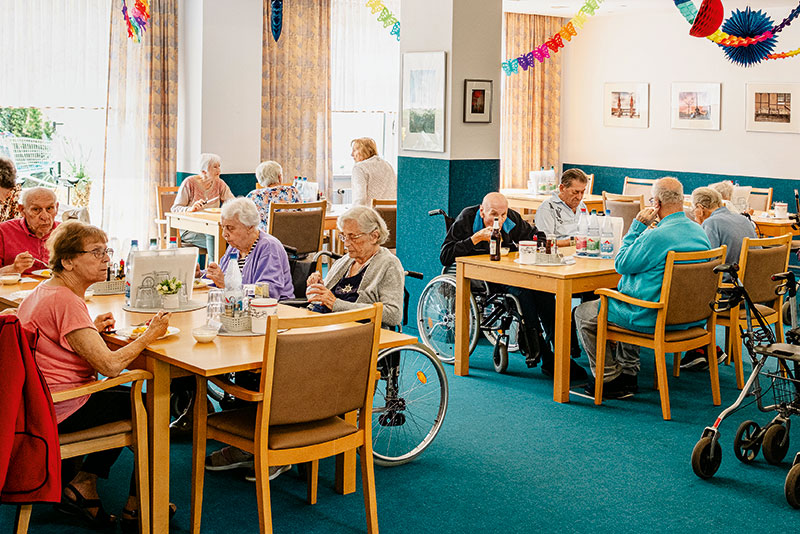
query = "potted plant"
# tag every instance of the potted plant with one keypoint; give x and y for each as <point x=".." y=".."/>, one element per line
<point x="169" y="290"/>
<point x="77" y="161"/>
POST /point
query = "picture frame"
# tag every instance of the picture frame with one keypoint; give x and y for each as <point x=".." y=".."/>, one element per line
<point x="695" y="106"/>
<point x="423" y="113"/>
<point x="626" y="105"/>
<point x="768" y="107"/>
<point x="478" y="101"/>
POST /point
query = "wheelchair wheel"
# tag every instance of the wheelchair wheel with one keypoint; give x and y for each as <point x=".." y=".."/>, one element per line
<point x="702" y="464"/>
<point x="791" y="488"/>
<point x="491" y="335"/>
<point x="436" y="317"/>
<point x="746" y="443"/>
<point x="500" y="357"/>
<point x="776" y="444"/>
<point x="409" y="405"/>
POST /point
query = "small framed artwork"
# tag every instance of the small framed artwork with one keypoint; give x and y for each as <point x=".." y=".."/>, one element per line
<point x="423" y="101"/>
<point x="769" y="107"/>
<point x="695" y="106"/>
<point x="477" y="100"/>
<point x="626" y="104"/>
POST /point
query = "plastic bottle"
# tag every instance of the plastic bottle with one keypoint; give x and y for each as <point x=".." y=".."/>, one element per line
<point x="554" y="183"/>
<point x="134" y="248"/>
<point x="607" y="237"/>
<point x="304" y="188"/>
<point x="153" y="244"/>
<point x="593" y="236"/>
<point x="580" y="237"/>
<point x="495" y="241"/>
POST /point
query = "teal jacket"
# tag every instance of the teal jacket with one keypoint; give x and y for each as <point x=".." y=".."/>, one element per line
<point x="641" y="260"/>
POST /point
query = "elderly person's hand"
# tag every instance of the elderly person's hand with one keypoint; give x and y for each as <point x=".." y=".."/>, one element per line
<point x="647" y="216"/>
<point x="320" y="293"/>
<point x="214" y="272"/>
<point x="484" y="234"/>
<point x="197" y="206"/>
<point x="158" y="325"/>
<point x="315" y="278"/>
<point x="104" y="322"/>
<point x="23" y="262"/>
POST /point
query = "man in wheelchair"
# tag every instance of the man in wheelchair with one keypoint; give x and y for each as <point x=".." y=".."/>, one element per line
<point x="469" y="235"/>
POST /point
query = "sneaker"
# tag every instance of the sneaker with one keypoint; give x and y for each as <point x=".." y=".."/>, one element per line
<point x="696" y="360"/>
<point x="229" y="458"/>
<point x="274" y="472"/>
<point x="622" y="387"/>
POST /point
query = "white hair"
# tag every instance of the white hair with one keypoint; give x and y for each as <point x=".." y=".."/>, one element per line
<point x="27" y="194"/>
<point x="368" y="221"/>
<point x="207" y="159"/>
<point x="666" y="194"/>
<point x="268" y="173"/>
<point x="724" y="188"/>
<point x="707" y="198"/>
<point x="243" y="209"/>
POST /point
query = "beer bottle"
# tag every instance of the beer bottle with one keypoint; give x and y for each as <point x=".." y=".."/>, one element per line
<point x="495" y="241"/>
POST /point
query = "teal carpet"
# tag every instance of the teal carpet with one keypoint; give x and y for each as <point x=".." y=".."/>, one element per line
<point x="509" y="459"/>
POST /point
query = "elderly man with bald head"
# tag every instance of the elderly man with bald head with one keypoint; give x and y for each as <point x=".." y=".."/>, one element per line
<point x="469" y="235"/>
<point x="23" y="240"/>
<point x="641" y="261"/>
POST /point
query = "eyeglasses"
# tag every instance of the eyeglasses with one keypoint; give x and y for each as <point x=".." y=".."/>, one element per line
<point x="350" y="237"/>
<point x="99" y="253"/>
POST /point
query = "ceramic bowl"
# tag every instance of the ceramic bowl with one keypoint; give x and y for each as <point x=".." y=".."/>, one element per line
<point x="204" y="334"/>
<point x="10" y="278"/>
<point x="504" y="251"/>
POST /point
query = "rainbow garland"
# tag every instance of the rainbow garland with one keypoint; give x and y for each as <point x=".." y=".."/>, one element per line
<point x="385" y="16"/>
<point x="567" y="32"/>
<point x="137" y="18"/>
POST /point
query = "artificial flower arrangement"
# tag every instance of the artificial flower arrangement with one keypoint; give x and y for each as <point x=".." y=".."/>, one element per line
<point x="170" y="286"/>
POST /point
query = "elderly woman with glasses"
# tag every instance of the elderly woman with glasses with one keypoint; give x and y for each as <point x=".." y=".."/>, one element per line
<point x="70" y="352"/>
<point x="368" y="273"/>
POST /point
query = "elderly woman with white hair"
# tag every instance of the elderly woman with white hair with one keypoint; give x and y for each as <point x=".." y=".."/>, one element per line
<point x="269" y="175"/>
<point x="201" y="191"/>
<point x="261" y="257"/>
<point x="368" y="273"/>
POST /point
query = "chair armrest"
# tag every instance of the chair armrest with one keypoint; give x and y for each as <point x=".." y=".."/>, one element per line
<point x="237" y="391"/>
<point x="136" y="375"/>
<point x="616" y="295"/>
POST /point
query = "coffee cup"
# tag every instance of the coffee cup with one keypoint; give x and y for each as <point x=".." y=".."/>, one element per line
<point x="781" y="210"/>
<point x="527" y="252"/>
<point x="260" y="309"/>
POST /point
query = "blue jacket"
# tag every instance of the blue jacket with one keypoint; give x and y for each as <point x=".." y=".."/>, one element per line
<point x="641" y="260"/>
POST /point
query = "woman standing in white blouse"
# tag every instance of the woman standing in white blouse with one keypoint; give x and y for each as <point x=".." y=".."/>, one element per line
<point x="372" y="177"/>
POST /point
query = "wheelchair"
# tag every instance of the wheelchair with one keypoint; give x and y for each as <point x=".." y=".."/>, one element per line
<point x="498" y="316"/>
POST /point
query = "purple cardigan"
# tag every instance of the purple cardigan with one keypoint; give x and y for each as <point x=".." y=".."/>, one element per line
<point x="267" y="263"/>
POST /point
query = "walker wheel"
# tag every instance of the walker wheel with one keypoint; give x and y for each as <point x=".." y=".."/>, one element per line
<point x="775" y="448"/>
<point x="703" y="464"/>
<point x="500" y="357"/>
<point x="746" y="443"/>
<point x="792" y="487"/>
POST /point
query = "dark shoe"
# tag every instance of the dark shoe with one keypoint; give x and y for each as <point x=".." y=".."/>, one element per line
<point x="621" y="387"/>
<point x="696" y="360"/>
<point x="229" y="457"/>
<point x="79" y="506"/>
<point x="182" y="426"/>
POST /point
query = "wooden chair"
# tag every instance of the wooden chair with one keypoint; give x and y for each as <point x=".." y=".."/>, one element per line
<point x="165" y="198"/>
<point x="760" y="199"/>
<point x="690" y="284"/>
<point x="638" y="186"/>
<point x="298" y="225"/>
<point x="387" y="209"/>
<point x="758" y="261"/>
<point x="589" y="184"/>
<point x="131" y="433"/>
<point x="625" y="206"/>
<point x="298" y="413"/>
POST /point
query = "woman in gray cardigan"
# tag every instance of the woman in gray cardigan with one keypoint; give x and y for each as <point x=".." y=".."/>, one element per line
<point x="368" y="273"/>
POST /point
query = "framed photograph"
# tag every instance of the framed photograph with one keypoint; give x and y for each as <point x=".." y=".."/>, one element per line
<point x="627" y="105"/>
<point x="423" y="101"/>
<point x="769" y="107"/>
<point x="477" y="100"/>
<point x="695" y="106"/>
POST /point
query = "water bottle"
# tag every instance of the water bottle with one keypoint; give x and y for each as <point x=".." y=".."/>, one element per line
<point x="173" y="242"/>
<point x="134" y="248"/>
<point x="580" y="237"/>
<point x="304" y="188"/>
<point x="607" y="238"/>
<point x="153" y="244"/>
<point x="593" y="236"/>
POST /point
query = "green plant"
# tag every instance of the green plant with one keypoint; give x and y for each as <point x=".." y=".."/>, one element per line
<point x="25" y="122"/>
<point x="76" y="160"/>
<point x="170" y="286"/>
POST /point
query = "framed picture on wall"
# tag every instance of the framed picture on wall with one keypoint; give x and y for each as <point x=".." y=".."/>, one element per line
<point x="695" y="106"/>
<point x="477" y="100"/>
<point x="423" y="101"/>
<point x="769" y="107"/>
<point x="626" y="104"/>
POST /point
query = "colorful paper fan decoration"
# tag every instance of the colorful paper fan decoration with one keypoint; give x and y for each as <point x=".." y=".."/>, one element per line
<point x="708" y="19"/>
<point x="276" y="18"/>
<point x="744" y="24"/>
<point x="137" y="18"/>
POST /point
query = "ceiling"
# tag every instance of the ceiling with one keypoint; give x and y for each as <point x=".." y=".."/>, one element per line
<point x="567" y="8"/>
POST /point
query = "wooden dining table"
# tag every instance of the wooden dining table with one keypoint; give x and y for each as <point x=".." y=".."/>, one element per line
<point x="180" y="355"/>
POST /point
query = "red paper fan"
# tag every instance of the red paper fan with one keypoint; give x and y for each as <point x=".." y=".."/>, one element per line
<point x="708" y="19"/>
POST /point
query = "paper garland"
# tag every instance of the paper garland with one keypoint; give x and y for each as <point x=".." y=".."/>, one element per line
<point x="276" y="18"/>
<point x="137" y="19"/>
<point x="385" y="16"/>
<point x="542" y="52"/>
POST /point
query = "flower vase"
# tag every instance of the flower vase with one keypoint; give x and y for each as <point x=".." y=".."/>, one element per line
<point x="82" y="192"/>
<point x="170" y="302"/>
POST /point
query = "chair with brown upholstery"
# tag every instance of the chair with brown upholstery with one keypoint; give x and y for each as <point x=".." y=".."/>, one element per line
<point x="760" y="199"/>
<point x="298" y="225"/>
<point x="165" y="198"/>
<point x="304" y="407"/>
<point x="758" y="261"/>
<point x="638" y="186"/>
<point x="387" y="209"/>
<point x="690" y="284"/>
<point x="625" y="206"/>
<point x="132" y="433"/>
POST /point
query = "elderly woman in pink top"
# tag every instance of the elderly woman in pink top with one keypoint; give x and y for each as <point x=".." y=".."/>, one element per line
<point x="70" y="351"/>
<point x="201" y="191"/>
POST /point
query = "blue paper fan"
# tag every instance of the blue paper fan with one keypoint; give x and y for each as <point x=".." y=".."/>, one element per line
<point x="748" y="23"/>
<point x="276" y="18"/>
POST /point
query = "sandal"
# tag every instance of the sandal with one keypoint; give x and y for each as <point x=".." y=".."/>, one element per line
<point x="129" y="522"/>
<point x="80" y="506"/>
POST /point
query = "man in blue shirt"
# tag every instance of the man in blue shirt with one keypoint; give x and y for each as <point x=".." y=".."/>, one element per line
<point x="641" y="261"/>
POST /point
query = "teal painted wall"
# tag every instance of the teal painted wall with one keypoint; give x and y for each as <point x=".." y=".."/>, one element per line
<point x="240" y="183"/>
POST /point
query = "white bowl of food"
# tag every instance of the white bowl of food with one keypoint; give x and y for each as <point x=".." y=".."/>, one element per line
<point x="504" y="251"/>
<point x="204" y="334"/>
<point x="88" y="294"/>
<point x="10" y="278"/>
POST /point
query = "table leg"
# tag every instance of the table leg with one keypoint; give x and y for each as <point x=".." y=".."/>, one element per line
<point x="346" y="463"/>
<point x="462" y="322"/>
<point x="158" y="418"/>
<point x="562" y="341"/>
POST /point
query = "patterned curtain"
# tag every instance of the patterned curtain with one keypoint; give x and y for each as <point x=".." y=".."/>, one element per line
<point x="531" y="102"/>
<point x="296" y="92"/>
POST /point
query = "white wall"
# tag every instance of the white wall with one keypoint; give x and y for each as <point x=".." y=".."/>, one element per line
<point x="657" y="48"/>
<point x="190" y="91"/>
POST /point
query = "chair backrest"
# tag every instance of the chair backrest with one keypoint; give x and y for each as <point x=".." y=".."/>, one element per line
<point x="638" y="186"/>
<point x="625" y="206"/>
<point x="323" y="366"/>
<point x="165" y="197"/>
<point x="298" y="225"/>
<point x="378" y="202"/>
<point x="760" y="199"/>
<point x="690" y="285"/>
<point x="759" y="260"/>
<point x="387" y="209"/>
<point x="589" y="184"/>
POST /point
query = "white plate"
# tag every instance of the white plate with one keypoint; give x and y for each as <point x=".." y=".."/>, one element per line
<point x="128" y="330"/>
<point x="213" y="210"/>
<point x="202" y="282"/>
<point x="45" y="273"/>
